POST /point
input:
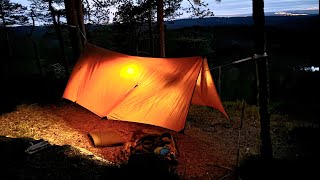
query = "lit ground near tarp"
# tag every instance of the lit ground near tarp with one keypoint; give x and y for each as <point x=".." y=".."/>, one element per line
<point x="207" y="149"/>
<point x="35" y="122"/>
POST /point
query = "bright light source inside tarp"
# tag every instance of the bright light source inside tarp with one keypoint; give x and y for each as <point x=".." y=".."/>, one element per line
<point x="129" y="71"/>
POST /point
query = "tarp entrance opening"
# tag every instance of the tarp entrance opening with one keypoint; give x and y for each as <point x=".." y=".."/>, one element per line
<point x="155" y="91"/>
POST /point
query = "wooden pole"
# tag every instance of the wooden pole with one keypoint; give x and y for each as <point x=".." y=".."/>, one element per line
<point x="219" y="82"/>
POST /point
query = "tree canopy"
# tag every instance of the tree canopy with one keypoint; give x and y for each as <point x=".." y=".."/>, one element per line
<point x="12" y="13"/>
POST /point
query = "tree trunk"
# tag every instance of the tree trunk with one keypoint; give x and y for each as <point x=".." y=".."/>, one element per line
<point x="257" y="82"/>
<point x="8" y="50"/>
<point x="150" y="28"/>
<point x="161" y="28"/>
<point x="72" y="7"/>
<point x="80" y="18"/>
<point x="63" y="53"/>
<point x="263" y="77"/>
<point x="35" y="45"/>
<point x="60" y="38"/>
<point x="37" y="55"/>
<point x="219" y="82"/>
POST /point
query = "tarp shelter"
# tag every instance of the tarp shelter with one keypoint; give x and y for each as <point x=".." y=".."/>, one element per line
<point x="156" y="91"/>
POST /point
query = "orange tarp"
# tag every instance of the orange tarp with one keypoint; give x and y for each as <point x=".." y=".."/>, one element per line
<point x="156" y="91"/>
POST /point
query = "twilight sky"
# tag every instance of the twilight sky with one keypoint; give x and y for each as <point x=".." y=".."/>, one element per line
<point x="235" y="7"/>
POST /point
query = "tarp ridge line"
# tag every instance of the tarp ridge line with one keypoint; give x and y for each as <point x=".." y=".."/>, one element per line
<point x="255" y="56"/>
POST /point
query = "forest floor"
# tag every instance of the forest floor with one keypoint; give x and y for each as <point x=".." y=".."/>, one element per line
<point x="207" y="150"/>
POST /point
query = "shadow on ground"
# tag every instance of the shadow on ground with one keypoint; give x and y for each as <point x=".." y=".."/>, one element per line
<point x="66" y="162"/>
<point x="16" y="90"/>
<point x="304" y="166"/>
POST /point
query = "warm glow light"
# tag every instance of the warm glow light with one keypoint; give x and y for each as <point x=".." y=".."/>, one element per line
<point x="129" y="71"/>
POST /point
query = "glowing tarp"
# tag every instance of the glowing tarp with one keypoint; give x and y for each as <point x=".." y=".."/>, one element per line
<point x="156" y="91"/>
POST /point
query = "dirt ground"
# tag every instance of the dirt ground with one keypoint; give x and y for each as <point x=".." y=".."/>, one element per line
<point x="206" y="150"/>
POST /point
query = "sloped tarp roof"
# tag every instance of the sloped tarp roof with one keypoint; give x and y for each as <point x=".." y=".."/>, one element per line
<point x="156" y="91"/>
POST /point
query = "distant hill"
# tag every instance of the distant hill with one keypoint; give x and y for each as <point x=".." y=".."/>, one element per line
<point x="271" y="19"/>
<point x="213" y="21"/>
<point x="23" y="31"/>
